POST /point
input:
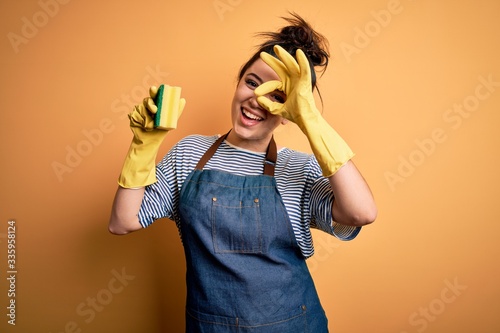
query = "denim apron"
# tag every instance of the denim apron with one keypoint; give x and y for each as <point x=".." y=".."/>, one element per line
<point x="245" y="270"/>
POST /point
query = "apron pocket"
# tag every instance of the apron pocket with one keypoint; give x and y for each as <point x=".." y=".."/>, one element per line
<point x="236" y="226"/>
<point x="298" y="320"/>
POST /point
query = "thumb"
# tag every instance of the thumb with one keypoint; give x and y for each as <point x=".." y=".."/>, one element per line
<point x="273" y="107"/>
<point x="182" y="104"/>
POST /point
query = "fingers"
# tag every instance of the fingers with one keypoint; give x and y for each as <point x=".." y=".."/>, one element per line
<point x="150" y="105"/>
<point x="275" y="64"/>
<point x="287" y="67"/>
<point x="143" y="114"/>
<point x="265" y="89"/>
<point x="153" y="90"/>
<point x="273" y="107"/>
<point x="268" y="87"/>
<point x="303" y="62"/>
<point x="287" y="59"/>
<point x="140" y="118"/>
<point x="136" y="119"/>
<point x="296" y="66"/>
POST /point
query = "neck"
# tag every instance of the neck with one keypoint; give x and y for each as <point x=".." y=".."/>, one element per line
<point x="256" y="145"/>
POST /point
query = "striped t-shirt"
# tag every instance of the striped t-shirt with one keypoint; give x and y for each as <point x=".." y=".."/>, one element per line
<point x="305" y="192"/>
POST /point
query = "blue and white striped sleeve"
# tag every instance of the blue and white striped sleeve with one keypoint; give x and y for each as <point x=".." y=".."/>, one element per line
<point x="160" y="197"/>
<point x="321" y="202"/>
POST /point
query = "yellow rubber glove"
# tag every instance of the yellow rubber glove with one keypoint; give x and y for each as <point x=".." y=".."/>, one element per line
<point x="139" y="168"/>
<point x="331" y="151"/>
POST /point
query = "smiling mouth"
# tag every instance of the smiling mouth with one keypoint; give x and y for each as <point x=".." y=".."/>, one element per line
<point x="251" y="116"/>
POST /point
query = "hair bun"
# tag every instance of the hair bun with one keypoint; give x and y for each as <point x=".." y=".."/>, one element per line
<point x="298" y="37"/>
<point x="298" y="34"/>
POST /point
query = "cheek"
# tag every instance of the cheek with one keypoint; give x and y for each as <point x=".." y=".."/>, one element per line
<point x="235" y="107"/>
<point x="242" y="94"/>
<point x="275" y="121"/>
<point x="236" y="96"/>
<point x="236" y="103"/>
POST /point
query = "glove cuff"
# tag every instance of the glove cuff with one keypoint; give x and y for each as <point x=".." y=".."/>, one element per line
<point x="330" y="150"/>
<point x="139" y="167"/>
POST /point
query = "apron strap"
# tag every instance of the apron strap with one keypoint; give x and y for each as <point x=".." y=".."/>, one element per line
<point x="210" y="152"/>
<point x="269" y="163"/>
<point x="271" y="156"/>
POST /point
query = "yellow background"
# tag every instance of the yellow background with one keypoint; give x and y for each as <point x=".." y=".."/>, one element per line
<point x="394" y="89"/>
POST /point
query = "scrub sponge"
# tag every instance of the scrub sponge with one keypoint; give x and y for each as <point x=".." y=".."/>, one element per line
<point x="167" y="101"/>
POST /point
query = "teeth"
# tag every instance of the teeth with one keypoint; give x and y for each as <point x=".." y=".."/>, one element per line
<point x="251" y="115"/>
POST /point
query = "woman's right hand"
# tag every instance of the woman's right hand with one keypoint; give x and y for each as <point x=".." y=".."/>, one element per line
<point x="143" y="115"/>
<point x="139" y="166"/>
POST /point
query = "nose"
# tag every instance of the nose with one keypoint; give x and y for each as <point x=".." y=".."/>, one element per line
<point x="254" y="104"/>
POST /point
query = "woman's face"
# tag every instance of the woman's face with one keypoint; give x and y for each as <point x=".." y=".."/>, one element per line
<point x="253" y="126"/>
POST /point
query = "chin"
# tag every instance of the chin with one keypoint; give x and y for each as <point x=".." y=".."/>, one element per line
<point x="243" y="133"/>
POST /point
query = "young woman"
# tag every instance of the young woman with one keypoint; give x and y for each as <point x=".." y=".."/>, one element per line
<point x="244" y="208"/>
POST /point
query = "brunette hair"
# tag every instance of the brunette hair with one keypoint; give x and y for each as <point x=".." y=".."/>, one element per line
<point x="298" y="34"/>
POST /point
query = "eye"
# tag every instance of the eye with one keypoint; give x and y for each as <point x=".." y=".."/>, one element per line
<point x="278" y="97"/>
<point x="251" y="83"/>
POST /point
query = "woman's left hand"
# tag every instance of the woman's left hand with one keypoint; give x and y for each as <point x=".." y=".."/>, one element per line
<point x="330" y="149"/>
<point x="295" y="82"/>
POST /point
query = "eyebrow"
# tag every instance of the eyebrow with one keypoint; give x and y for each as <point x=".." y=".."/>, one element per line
<point x="256" y="77"/>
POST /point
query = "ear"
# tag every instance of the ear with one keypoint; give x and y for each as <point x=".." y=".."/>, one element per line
<point x="284" y="121"/>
